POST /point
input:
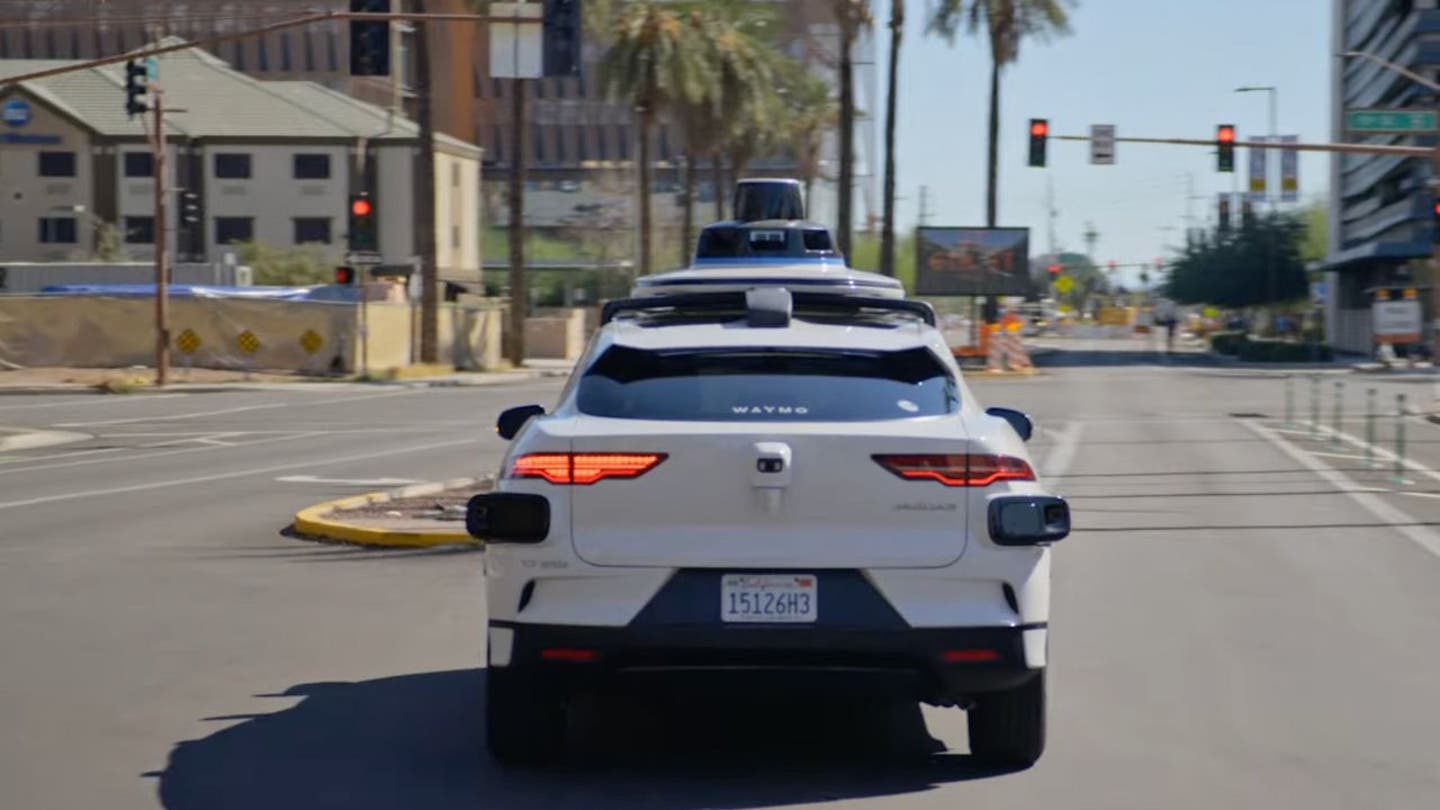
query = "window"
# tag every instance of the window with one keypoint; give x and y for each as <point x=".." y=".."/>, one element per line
<point x="285" y="64"/>
<point x="334" y="56"/>
<point x="312" y="229"/>
<point x="312" y="167"/>
<point x="239" y="60"/>
<point x="232" y="165"/>
<point x="57" y="230"/>
<point x="57" y="164"/>
<point x="139" y="230"/>
<point x="234" y="229"/>
<point x="309" y="50"/>
<point x="139" y="164"/>
<point x="262" y="56"/>
<point x="767" y="385"/>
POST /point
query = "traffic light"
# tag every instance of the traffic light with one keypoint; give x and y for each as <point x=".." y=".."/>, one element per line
<point x="362" y="234"/>
<point x="1054" y="270"/>
<point x="137" y="81"/>
<point x="189" y="207"/>
<point x="370" y="39"/>
<point x="1224" y="212"/>
<point x="1225" y="148"/>
<point x="561" y="38"/>
<point x="1435" y="223"/>
<point x="345" y="276"/>
<point x="1039" y="132"/>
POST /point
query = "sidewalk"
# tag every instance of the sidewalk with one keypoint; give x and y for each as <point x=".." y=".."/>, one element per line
<point x="139" y="379"/>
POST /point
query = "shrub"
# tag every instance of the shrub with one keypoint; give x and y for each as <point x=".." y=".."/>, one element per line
<point x="1279" y="351"/>
<point x="1228" y="342"/>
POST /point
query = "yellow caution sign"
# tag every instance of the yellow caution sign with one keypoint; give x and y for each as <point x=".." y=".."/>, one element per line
<point x="311" y="341"/>
<point x="247" y="342"/>
<point x="188" y="342"/>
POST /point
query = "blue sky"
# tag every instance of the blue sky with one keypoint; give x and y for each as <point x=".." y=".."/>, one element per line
<point x="1153" y="68"/>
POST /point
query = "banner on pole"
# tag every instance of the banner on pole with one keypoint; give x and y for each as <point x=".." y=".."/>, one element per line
<point x="1289" y="171"/>
<point x="1258" y="166"/>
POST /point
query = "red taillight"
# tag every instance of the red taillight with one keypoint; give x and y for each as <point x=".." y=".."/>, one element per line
<point x="972" y="470"/>
<point x="569" y="655"/>
<point x="973" y="656"/>
<point x="583" y="468"/>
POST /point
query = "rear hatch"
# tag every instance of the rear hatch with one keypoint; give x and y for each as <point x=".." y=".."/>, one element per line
<point x="768" y="459"/>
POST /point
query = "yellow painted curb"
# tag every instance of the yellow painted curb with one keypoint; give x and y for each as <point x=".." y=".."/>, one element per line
<point x="311" y="522"/>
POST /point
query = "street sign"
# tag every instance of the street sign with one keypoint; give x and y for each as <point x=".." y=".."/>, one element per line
<point x="1258" y="172"/>
<point x="516" y="50"/>
<point x="1102" y="144"/>
<point x="363" y="258"/>
<point x="1392" y="121"/>
<point x="1397" y="321"/>
<point x="1289" y="170"/>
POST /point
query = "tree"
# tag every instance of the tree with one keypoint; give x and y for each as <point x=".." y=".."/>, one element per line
<point x="1006" y="23"/>
<point x="298" y="266"/>
<point x="1258" y="263"/>
<point x="812" y="113"/>
<point x="851" y="16"/>
<point x="887" y="228"/>
<point x="653" y="63"/>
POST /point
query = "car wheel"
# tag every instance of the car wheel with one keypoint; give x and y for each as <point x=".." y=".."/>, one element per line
<point x="524" y="721"/>
<point x="1008" y="728"/>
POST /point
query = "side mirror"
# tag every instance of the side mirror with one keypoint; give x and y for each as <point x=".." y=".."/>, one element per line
<point x="512" y="419"/>
<point x="1028" y="520"/>
<point x="508" y="517"/>
<point x="1017" y="420"/>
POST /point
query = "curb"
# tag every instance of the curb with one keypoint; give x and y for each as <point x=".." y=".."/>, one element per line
<point x="313" y="524"/>
<point x="36" y="439"/>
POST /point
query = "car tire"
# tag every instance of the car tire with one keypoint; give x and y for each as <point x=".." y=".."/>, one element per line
<point x="1008" y="728"/>
<point x="524" y="721"/>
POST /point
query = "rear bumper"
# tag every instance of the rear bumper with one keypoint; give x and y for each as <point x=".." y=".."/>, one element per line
<point x="937" y="665"/>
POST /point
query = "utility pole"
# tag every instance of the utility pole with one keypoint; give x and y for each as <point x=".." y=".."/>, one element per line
<point x="1050" y="212"/>
<point x="1091" y="237"/>
<point x="924" y="215"/>
<point x="519" y="291"/>
<point x="162" y="252"/>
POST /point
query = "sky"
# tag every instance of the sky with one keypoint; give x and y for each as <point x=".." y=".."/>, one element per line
<point x="1152" y="68"/>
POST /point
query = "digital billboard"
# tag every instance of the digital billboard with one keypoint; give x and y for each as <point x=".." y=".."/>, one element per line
<point x="972" y="261"/>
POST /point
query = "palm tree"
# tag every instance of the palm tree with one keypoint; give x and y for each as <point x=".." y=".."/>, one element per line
<point x="811" y="113"/>
<point x="1006" y="23"/>
<point x="654" y="64"/>
<point x="887" y="228"/>
<point x="852" y="16"/>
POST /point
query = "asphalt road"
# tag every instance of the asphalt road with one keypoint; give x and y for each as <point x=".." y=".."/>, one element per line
<point x="1246" y="617"/>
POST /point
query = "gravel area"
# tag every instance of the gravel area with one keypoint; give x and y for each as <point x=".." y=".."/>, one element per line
<point x="443" y="506"/>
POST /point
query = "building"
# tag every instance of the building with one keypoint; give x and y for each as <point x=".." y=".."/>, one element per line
<point x="319" y="52"/>
<point x="1382" y="224"/>
<point x="267" y="161"/>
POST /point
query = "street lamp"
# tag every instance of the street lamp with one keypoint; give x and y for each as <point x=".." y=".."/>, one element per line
<point x="1274" y="131"/>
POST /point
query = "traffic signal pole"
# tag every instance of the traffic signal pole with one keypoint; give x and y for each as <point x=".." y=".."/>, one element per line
<point x="162" y="252"/>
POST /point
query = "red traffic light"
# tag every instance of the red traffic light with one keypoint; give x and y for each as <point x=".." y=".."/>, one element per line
<point x="361" y="207"/>
<point x="1039" y="127"/>
<point x="1437" y="209"/>
<point x="1225" y="134"/>
<point x="1054" y="269"/>
<point x="345" y="276"/>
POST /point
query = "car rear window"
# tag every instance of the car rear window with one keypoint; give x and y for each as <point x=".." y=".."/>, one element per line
<point x="760" y="385"/>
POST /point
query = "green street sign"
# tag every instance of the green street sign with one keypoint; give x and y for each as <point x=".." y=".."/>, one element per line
<point x="1393" y="121"/>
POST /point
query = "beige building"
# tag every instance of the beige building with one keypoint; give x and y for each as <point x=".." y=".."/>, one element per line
<point x="267" y="161"/>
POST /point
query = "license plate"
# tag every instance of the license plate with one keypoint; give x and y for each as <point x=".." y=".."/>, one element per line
<point x="769" y="598"/>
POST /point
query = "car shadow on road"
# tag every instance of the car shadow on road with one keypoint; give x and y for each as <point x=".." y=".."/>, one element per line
<point x="417" y="742"/>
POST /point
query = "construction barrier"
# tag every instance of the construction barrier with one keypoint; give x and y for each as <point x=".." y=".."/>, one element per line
<point x="1006" y="350"/>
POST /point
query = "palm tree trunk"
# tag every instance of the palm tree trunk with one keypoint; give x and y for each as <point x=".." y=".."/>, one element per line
<point x="992" y="177"/>
<point x="642" y="154"/>
<point x="717" y="172"/>
<point x="844" y="214"/>
<point x="887" y="228"/>
<point x="687" y="227"/>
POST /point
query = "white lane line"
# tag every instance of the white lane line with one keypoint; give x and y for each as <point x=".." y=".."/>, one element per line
<point x="94" y="399"/>
<point x="1067" y="441"/>
<point x="205" y="479"/>
<point x="1381" y="453"/>
<point x="1352" y="456"/>
<point x="172" y="417"/>
<point x="142" y="456"/>
<point x="346" y="482"/>
<point x="1422" y="536"/>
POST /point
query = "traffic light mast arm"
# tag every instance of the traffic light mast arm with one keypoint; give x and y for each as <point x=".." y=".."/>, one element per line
<point x="308" y="19"/>
<point x="1362" y="148"/>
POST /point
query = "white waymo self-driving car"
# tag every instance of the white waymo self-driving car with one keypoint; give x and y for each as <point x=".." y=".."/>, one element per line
<point x="768" y="470"/>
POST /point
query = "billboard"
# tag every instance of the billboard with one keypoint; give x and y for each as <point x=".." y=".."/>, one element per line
<point x="972" y="261"/>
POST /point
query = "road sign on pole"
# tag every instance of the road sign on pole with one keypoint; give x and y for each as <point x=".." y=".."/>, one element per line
<point x="1102" y="144"/>
<point x="1392" y="121"/>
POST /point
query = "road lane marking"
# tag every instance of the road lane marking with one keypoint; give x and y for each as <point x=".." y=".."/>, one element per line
<point x="238" y="409"/>
<point x="93" y="399"/>
<point x="1351" y="456"/>
<point x="142" y="456"/>
<point x="1382" y="511"/>
<point x="205" y="479"/>
<point x="346" y="482"/>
